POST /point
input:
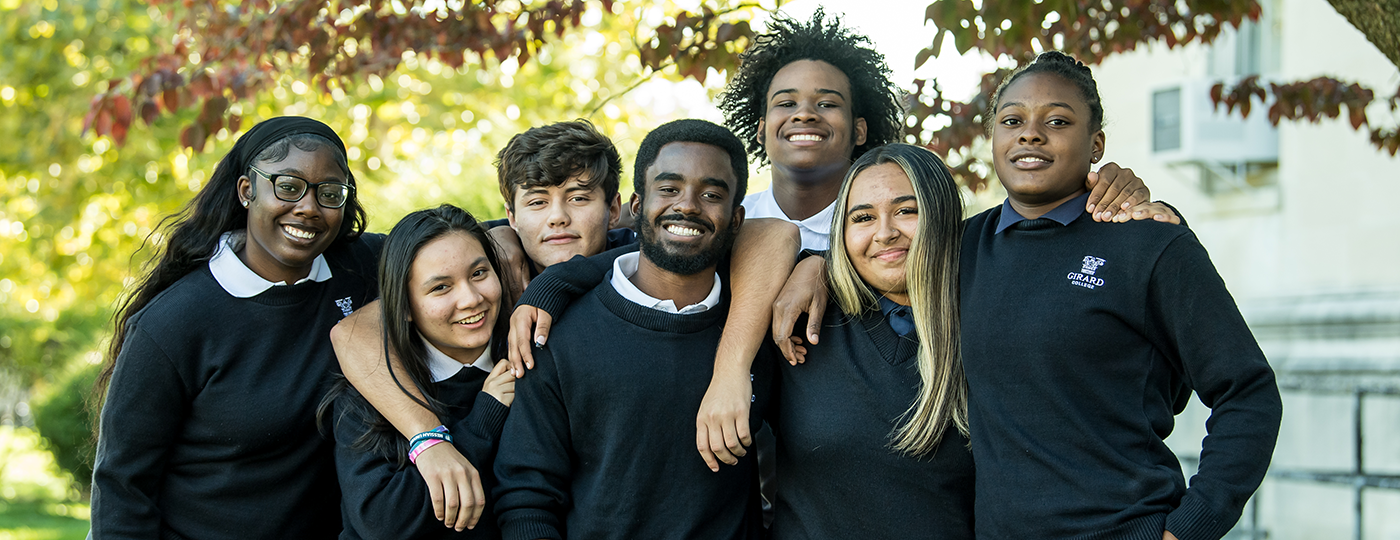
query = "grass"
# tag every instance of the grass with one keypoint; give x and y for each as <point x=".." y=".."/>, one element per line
<point x="37" y="500"/>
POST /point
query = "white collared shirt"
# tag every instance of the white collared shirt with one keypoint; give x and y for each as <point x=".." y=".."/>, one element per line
<point x="444" y="367"/>
<point x="625" y="266"/>
<point x="242" y="282"/>
<point x="816" y="230"/>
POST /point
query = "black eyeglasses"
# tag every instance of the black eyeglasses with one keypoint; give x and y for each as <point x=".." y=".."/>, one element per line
<point x="292" y="188"/>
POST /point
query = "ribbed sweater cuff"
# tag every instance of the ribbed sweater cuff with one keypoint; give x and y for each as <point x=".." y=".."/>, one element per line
<point x="550" y="295"/>
<point x="529" y="524"/>
<point x="488" y="416"/>
<point x="1194" y="520"/>
<point x="1147" y="527"/>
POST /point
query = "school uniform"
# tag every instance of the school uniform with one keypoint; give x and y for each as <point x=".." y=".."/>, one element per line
<point x="209" y="429"/>
<point x="834" y="417"/>
<point x="379" y="498"/>
<point x="600" y="444"/>
<point x="1081" y="342"/>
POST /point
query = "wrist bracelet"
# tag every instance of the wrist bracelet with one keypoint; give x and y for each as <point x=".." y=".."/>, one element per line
<point x="432" y="433"/>
<point x="417" y="450"/>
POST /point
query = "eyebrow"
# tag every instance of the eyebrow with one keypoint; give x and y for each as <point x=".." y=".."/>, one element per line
<point x="293" y="171"/>
<point x="1019" y="104"/>
<point x="708" y="180"/>
<point x="478" y="262"/>
<point x="819" y="91"/>
<point x="897" y="200"/>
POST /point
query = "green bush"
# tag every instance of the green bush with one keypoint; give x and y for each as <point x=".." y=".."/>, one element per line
<point x="64" y="421"/>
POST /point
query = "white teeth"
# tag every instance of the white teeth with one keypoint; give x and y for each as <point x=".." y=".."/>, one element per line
<point x="1031" y="158"/>
<point x="682" y="231"/>
<point x="473" y="319"/>
<point x="805" y="137"/>
<point x="298" y="233"/>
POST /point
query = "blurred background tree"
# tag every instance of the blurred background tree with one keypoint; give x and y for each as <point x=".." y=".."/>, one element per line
<point x="90" y="166"/>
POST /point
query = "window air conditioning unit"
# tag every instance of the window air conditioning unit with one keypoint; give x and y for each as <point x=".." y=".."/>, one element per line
<point x="1186" y="127"/>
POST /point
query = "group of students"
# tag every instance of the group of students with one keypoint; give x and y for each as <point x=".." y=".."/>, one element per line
<point x="280" y="373"/>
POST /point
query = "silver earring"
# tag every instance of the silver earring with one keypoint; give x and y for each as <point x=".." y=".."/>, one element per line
<point x="1094" y="159"/>
<point x="245" y="204"/>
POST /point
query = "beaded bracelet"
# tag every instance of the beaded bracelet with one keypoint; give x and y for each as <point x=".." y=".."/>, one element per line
<point x="413" y="454"/>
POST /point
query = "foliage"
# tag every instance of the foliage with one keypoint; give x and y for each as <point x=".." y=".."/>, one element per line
<point x="225" y="52"/>
<point x="37" y="501"/>
<point x="75" y="207"/>
<point x="1092" y="30"/>
<point x="67" y="424"/>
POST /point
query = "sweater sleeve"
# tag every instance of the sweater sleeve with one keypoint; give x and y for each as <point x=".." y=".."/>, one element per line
<point x="144" y="414"/>
<point x="534" y="465"/>
<point x="384" y="501"/>
<point x="1197" y="322"/>
<point x="561" y="284"/>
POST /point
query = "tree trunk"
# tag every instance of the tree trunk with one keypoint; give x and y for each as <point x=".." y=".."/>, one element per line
<point x="1378" y="19"/>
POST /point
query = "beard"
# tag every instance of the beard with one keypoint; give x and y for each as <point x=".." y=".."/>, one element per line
<point x="686" y="264"/>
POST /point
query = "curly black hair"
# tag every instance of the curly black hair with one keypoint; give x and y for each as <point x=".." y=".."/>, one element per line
<point x="1068" y="68"/>
<point x="874" y="97"/>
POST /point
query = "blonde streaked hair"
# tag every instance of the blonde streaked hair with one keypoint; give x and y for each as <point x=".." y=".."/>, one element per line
<point x="931" y="271"/>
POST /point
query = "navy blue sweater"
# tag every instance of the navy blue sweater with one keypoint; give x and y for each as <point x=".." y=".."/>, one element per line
<point x="1081" y="342"/>
<point x="600" y="443"/>
<point x="839" y="478"/>
<point x="209" y="429"/>
<point x="381" y="500"/>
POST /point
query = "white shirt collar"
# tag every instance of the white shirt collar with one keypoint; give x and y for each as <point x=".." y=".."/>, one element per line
<point x="816" y="230"/>
<point x="444" y="367"/>
<point x="626" y="265"/>
<point x="242" y="282"/>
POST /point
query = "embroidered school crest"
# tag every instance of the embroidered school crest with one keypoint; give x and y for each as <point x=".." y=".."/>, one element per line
<point x="346" y="306"/>
<point x="1085" y="276"/>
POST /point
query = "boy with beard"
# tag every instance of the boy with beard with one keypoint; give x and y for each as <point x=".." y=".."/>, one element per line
<point x="597" y="444"/>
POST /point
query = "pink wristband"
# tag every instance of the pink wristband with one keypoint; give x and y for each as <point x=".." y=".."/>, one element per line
<point x="413" y="454"/>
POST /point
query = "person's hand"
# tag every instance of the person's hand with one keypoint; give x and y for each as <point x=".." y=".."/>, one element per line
<point x="454" y="486"/>
<point x="804" y="292"/>
<point x="1167" y="535"/>
<point x="529" y="327"/>
<point x="722" y="426"/>
<point x="1113" y="190"/>
<point x="500" y="384"/>
<point x="1150" y="210"/>
<point x="514" y="263"/>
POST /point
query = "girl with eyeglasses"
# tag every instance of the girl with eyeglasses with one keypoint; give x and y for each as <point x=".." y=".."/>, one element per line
<point x="221" y="351"/>
<point x="441" y="316"/>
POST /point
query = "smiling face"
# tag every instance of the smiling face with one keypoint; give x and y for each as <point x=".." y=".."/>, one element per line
<point x="688" y="219"/>
<point x="882" y="216"/>
<point x="810" y="124"/>
<point x="454" y="295"/>
<point x="557" y="222"/>
<point x="284" y="238"/>
<point x="1042" y="141"/>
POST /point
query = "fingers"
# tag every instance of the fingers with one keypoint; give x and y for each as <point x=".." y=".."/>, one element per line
<point x="518" y="342"/>
<point x="435" y="493"/>
<point x="784" y="318"/>
<point x="719" y="447"/>
<point x="542" y="325"/>
<point x="702" y="445"/>
<point x="452" y="505"/>
<point x="480" y="499"/>
<point x="815" y="312"/>
<point x="1096" y="188"/>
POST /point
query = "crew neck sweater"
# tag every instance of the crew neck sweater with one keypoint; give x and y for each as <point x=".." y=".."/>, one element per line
<point x="209" y="429"/>
<point x="600" y="441"/>
<point x="381" y="500"/>
<point x="1081" y="342"/>
<point x="833" y="418"/>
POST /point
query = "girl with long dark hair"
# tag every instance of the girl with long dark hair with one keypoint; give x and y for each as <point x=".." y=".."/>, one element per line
<point x="441" y="316"/>
<point x="221" y="352"/>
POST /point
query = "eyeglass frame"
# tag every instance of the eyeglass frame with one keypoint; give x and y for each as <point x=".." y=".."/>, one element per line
<point x="310" y="187"/>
